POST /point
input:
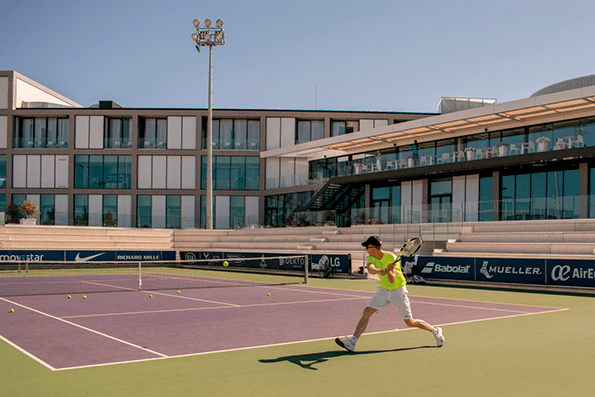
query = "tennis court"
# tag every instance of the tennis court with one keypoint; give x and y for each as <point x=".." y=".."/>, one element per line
<point x="129" y="326"/>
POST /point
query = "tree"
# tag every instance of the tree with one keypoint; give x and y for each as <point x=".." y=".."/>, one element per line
<point x="13" y="211"/>
<point x="29" y="209"/>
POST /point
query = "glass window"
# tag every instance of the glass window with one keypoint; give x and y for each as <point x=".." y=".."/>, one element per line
<point x="81" y="210"/>
<point x="117" y="133"/>
<point x="507" y="204"/>
<point x="110" y="210"/>
<point x="538" y="195"/>
<point x="41" y="133"/>
<point x="110" y="172"/>
<point x="225" y="134"/>
<point x="253" y="134"/>
<point x="317" y="130"/>
<point x="252" y="173"/>
<point x="143" y="211"/>
<point x="102" y="172"/>
<point x="240" y="134"/>
<point x="81" y="171"/>
<point x="96" y="172"/>
<point x="337" y="128"/>
<point x="124" y="172"/>
<point x="485" y="199"/>
<point x="238" y="173"/>
<point x="523" y="196"/>
<point x="236" y="212"/>
<point x="223" y="174"/>
<point x="2" y="172"/>
<point x="173" y="212"/>
<point x="47" y="209"/>
<point x="303" y="132"/>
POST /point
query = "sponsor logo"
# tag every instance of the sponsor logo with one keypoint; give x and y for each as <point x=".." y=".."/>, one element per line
<point x="564" y="273"/>
<point x="488" y="271"/>
<point x="432" y="267"/>
<point x="86" y="258"/>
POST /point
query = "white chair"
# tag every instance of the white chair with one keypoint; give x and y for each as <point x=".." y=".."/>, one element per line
<point x="576" y="141"/>
<point x="560" y="144"/>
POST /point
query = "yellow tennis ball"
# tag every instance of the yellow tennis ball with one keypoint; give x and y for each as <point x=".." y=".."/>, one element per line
<point x="225" y="264"/>
<point x="150" y="296"/>
<point x="12" y="310"/>
<point x="84" y="296"/>
<point x="268" y="294"/>
<point x="69" y="296"/>
<point x="179" y="292"/>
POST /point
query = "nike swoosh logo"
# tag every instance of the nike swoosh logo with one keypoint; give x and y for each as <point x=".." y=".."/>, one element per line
<point x="86" y="258"/>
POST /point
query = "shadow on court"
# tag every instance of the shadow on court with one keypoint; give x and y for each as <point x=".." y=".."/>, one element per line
<point x="307" y="361"/>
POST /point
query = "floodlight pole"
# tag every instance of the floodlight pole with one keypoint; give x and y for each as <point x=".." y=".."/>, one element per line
<point x="209" y="204"/>
<point x="209" y="36"/>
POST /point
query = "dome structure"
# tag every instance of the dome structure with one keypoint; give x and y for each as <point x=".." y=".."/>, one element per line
<point x="578" y="82"/>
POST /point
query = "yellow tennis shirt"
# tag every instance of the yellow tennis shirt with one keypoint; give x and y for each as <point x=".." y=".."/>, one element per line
<point x="387" y="259"/>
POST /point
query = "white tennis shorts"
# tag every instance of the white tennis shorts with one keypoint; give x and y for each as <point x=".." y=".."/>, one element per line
<point x="399" y="298"/>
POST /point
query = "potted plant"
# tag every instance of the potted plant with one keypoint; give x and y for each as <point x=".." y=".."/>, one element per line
<point x="29" y="210"/>
<point x="503" y="149"/>
<point x="470" y="153"/>
<point x="14" y="212"/>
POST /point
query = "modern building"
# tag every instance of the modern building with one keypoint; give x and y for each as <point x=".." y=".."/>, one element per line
<point x="109" y="165"/>
<point x="115" y="166"/>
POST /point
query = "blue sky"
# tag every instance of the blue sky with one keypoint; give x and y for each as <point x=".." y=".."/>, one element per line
<point x="361" y="54"/>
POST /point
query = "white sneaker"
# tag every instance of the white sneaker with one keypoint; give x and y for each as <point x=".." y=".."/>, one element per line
<point x="438" y="335"/>
<point x="346" y="344"/>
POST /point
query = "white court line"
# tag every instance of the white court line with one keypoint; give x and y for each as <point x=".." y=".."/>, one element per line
<point x="25" y="352"/>
<point x="85" y="328"/>
<point x="298" y="342"/>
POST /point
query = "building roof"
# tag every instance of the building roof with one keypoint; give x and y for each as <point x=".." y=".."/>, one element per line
<point x="579" y="102"/>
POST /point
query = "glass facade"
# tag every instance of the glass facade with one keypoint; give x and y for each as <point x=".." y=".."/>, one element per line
<point x="117" y="133"/>
<point x="540" y="195"/>
<point x="233" y="134"/>
<point x="40" y="133"/>
<point x="232" y="173"/>
<point x="102" y="172"/>
<point x="152" y="133"/>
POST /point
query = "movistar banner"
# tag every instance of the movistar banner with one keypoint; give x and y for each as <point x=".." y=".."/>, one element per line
<point x="572" y="273"/>
<point x="84" y="256"/>
<point x="339" y="263"/>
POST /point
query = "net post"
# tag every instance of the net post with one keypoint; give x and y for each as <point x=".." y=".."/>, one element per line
<point x="306" y="269"/>
<point x="140" y="277"/>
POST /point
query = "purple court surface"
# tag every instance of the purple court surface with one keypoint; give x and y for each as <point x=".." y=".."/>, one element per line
<point x="116" y="327"/>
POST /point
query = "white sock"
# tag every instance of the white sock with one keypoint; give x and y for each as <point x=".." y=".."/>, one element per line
<point x="354" y="340"/>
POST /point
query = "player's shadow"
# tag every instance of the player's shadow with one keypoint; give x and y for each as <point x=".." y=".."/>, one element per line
<point x="307" y="361"/>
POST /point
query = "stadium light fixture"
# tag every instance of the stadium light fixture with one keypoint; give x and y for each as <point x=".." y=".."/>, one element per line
<point x="209" y="36"/>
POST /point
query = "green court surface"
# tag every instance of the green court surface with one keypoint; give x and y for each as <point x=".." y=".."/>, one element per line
<point x="549" y="354"/>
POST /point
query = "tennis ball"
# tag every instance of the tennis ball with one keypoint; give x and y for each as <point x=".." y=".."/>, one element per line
<point x="150" y="296"/>
<point x="179" y="292"/>
<point x="268" y="294"/>
<point x="12" y="310"/>
<point x="225" y="264"/>
<point x="69" y="296"/>
<point x="84" y="296"/>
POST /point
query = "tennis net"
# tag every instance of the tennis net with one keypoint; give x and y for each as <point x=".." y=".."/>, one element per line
<point x="46" y="278"/>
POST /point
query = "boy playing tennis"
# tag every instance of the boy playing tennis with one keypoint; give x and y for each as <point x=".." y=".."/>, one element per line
<point x="392" y="290"/>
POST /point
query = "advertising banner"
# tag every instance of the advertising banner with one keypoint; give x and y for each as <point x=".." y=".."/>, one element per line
<point x="518" y="271"/>
<point x="572" y="273"/>
<point x="31" y="256"/>
<point x="339" y="263"/>
<point x="446" y="268"/>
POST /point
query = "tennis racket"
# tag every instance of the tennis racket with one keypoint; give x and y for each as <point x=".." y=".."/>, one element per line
<point x="410" y="248"/>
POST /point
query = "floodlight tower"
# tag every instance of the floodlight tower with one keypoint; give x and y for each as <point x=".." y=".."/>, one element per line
<point x="209" y="36"/>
